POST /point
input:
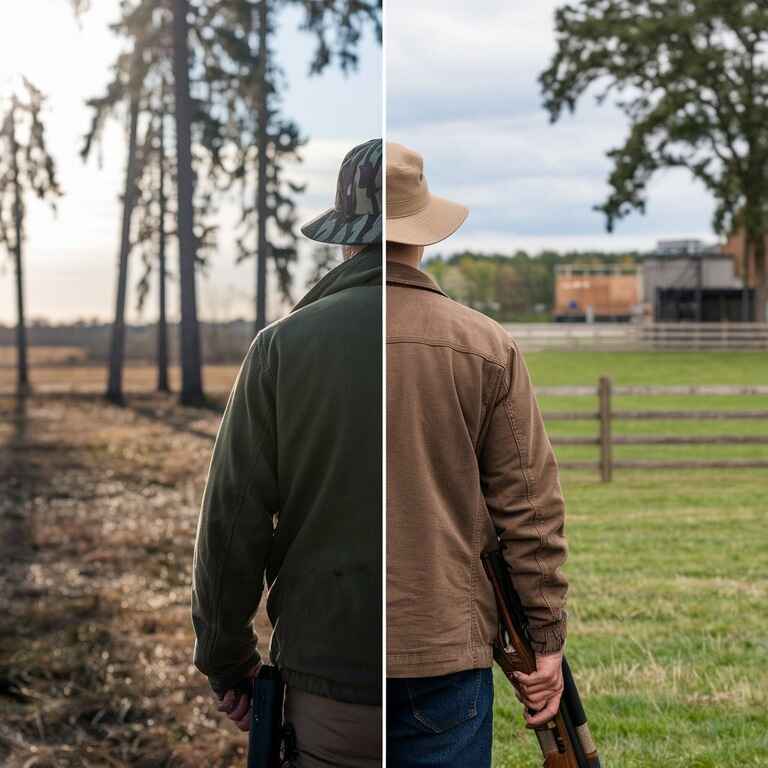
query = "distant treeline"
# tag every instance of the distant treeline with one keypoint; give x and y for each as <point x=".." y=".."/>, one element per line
<point x="516" y="288"/>
<point x="221" y="342"/>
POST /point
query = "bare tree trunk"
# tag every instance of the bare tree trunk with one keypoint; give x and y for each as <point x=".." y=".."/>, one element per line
<point x="191" y="371"/>
<point x="761" y="288"/>
<point x="162" y="325"/>
<point x="745" y="279"/>
<point x="22" y="367"/>
<point x="117" y="342"/>
<point x="261" y="192"/>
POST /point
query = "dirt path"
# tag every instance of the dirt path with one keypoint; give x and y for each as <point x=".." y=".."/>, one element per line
<point x="98" y="508"/>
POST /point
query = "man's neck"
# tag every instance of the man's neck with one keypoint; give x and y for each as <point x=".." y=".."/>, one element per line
<point x="348" y="251"/>
<point x="410" y="255"/>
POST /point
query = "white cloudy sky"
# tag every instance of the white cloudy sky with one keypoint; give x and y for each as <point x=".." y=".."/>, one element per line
<point x="462" y="89"/>
<point x="71" y="258"/>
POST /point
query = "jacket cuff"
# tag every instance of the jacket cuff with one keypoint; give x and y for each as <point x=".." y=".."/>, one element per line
<point x="549" y="638"/>
<point x="233" y="678"/>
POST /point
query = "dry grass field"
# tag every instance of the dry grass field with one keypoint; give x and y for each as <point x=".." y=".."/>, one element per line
<point x="98" y="507"/>
<point x="44" y="355"/>
<point x="48" y="378"/>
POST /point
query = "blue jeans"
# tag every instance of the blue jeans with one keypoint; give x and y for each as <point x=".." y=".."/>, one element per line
<point x="440" y="722"/>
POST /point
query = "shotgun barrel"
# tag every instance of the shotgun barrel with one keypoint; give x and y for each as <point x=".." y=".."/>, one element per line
<point x="566" y="741"/>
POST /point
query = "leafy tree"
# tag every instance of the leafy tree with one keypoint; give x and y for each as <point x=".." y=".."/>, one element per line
<point x="480" y="277"/>
<point x="25" y="167"/>
<point x="511" y="288"/>
<point x="692" y="79"/>
<point x="513" y="298"/>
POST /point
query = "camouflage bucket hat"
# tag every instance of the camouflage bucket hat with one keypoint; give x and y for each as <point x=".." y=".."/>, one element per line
<point x="355" y="218"/>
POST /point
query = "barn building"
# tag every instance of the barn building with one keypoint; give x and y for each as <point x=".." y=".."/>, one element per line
<point x="604" y="293"/>
<point x="686" y="280"/>
<point x="680" y="281"/>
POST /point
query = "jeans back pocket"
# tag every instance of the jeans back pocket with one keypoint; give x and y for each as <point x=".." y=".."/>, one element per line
<point x="441" y="703"/>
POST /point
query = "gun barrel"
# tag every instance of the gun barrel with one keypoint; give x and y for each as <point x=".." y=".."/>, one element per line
<point x="572" y="702"/>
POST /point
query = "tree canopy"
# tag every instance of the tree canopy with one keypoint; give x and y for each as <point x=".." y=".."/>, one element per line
<point x="692" y="79"/>
<point x="518" y="287"/>
<point x="25" y="163"/>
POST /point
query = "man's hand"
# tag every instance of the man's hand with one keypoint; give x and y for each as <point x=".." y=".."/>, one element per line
<point x="541" y="690"/>
<point x="237" y="706"/>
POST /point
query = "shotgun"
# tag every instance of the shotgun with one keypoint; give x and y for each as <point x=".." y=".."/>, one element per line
<point x="565" y="741"/>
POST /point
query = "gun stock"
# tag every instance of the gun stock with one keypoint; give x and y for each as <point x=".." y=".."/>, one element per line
<point x="565" y="741"/>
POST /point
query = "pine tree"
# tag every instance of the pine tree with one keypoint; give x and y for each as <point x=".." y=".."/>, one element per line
<point x="26" y="167"/>
<point x="124" y="90"/>
<point x="337" y="27"/>
<point x="156" y="213"/>
<point x="141" y="81"/>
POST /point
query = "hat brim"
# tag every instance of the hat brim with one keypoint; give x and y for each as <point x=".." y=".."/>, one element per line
<point x="435" y="222"/>
<point x="336" y="229"/>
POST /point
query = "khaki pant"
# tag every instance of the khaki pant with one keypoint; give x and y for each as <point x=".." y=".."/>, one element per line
<point x="333" y="733"/>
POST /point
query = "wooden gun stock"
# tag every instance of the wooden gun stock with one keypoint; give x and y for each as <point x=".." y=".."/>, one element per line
<point x="565" y="741"/>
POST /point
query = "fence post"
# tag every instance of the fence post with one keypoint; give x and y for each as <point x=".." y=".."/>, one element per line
<point x="604" y="404"/>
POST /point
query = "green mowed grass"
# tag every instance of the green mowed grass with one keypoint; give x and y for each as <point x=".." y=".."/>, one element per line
<point x="669" y="578"/>
<point x="661" y="369"/>
<point x="679" y="367"/>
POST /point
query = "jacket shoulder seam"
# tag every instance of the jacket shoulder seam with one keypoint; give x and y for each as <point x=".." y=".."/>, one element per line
<point x="411" y="282"/>
<point x="445" y="343"/>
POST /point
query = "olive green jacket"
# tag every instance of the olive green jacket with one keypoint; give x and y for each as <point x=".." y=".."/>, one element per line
<point x="293" y="498"/>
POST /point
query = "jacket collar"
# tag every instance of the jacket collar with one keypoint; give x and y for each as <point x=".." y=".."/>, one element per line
<point x="364" y="268"/>
<point x="403" y="274"/>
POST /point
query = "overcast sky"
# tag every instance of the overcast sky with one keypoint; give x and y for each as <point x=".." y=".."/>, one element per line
<point x="71" y="258"/>
<point x="462" y="90"/>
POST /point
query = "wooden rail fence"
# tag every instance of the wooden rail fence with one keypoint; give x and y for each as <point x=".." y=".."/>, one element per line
<point x="606" y="415"/>
<point x="633" y="336"/>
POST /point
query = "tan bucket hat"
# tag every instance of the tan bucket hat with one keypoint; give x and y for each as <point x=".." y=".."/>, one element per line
<point x="414" y="216"/>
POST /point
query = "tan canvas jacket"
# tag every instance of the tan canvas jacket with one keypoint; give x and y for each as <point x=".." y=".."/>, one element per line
<point x="467" y="452"/>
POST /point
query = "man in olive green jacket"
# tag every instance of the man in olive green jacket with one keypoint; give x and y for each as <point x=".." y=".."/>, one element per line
<point x="293" y="499"/>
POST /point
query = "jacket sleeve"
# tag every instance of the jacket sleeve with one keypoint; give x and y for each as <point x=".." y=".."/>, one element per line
<point x="522" y="489"/>
<point x="235" y="528"/>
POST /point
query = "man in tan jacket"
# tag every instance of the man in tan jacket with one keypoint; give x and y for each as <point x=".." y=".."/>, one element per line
<point x="468" y="460"/>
